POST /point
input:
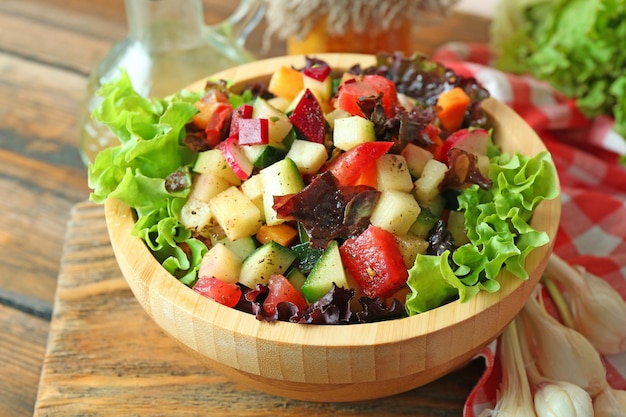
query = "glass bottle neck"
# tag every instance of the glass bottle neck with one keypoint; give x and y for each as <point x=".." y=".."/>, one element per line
<point x="166" y="24"/>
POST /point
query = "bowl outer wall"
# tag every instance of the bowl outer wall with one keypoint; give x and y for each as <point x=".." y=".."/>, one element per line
<point x="332" y="363"/>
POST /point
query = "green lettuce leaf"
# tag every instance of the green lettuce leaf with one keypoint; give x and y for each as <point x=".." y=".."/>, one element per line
<point x="151" y="133"/>
<point x="499" y="231"/>
<point x="577" y="46"/>
<point x="433" y="283"/>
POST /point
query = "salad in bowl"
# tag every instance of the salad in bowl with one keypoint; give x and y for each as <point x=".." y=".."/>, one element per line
<point x="324" y="196"/>
<point x="244" y="220"/>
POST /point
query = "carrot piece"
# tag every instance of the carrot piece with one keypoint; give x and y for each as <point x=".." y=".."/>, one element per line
<point x="452" y="107"/>
<point x="282" y="234"/>
<point x="201" y="119"/>
<point x="286" y="82"/>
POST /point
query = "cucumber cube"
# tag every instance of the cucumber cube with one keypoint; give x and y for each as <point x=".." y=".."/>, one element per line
<point x="327" y="270"/>
<point x="271" y="258"/>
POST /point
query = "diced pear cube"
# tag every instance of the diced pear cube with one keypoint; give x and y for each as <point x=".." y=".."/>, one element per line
<point x="352" y="131"/>
<point x="395" y="211"/>
<point x="207" y="185"/>
<point x="196" y="215"/>
<point x="427" y="185"/>
<point x="308" y="156"/>
<point x="392" y="173"/>
<point x="237" y="215"/>
<point x="416" y="158"/>
<point x="221" y="263"/>
<point x="253" y="189"/>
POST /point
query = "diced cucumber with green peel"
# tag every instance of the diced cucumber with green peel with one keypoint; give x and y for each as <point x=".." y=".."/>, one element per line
<point x="267" y="260"/>
<point x="296" y="278"/>
<point x="280" y="178"/>
<point x="327" y="270"/>
<point x="263" y="156"/>
<point x="428" y="216"/>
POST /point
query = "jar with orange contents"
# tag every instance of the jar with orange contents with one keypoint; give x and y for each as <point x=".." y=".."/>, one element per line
<point x="360" y="26"/>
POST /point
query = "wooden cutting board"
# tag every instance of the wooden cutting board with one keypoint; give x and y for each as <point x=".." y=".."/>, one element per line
<point x="105" y="356"/>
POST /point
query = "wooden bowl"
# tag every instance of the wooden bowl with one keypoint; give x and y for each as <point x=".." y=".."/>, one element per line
<point x="332" y="363"/>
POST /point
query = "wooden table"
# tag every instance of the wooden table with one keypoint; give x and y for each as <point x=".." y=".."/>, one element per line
<point x="62" y="298"/>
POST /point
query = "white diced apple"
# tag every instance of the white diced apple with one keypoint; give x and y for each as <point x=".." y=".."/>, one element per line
<point x="392" y="173"/>
<point x="196" y="216"/>
<point x="206" y="186"/>
<point x="221" y="263"/>
<point x="324" y="87"/>
<point x="280" y="178"/>
<point x="213" y="161"/>
<point x="237" y="215"/>
<point x="427" y="185"/>
<point x="395" y="211"/>
<point x="279" y="103"/>
<point x="416" y="158"/>
<point x="335" y="114"/>
<point x="253" y="189"/>
<point x="308" y="156"/>
<point x="352" y="131"/>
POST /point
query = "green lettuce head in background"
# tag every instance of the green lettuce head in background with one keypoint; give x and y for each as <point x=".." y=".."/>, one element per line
<point x="578" y="46"/>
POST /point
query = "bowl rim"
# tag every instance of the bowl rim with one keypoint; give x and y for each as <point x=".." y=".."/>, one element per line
<point x="158" y="283"/>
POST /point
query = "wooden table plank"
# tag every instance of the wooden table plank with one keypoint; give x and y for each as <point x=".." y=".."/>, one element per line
<point x="22" y="346"/>
<point x="106" y="357"/>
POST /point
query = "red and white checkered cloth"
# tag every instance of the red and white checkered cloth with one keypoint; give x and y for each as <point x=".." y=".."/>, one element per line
<point x="592" y="232"/>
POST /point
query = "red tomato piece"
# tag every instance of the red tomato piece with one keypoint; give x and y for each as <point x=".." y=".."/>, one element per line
<point x="218" y="290"/>
<point x="374" y="260"/>
<point x="349" y="93"/>
<point x="280" y="290"/>
<point x="370" y="85"/>
<point x="387" y="88"/>
<point x="348" y="167"/>
<point x="218" y="126"/>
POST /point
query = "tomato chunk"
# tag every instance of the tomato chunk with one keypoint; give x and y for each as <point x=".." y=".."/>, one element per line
<point x="348" y="167"/>
<point x="218" y="125"/>
<point x="354" y="89"/>
<point x="374" y="260"/>
<point x="387" y="88"/>
<point x="281" y="290"/>
<point x="223" y="292"/>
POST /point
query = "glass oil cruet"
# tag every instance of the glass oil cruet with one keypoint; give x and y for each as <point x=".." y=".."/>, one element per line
<point x="168" y="47"/>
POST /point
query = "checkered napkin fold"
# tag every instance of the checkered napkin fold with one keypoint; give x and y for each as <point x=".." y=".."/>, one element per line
<point x="592" y="231"/>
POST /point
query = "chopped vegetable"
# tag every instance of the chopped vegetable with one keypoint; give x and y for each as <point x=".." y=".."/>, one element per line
<point x="578" y="46"/>
<point x="320" y="200"/>
<point x="451" y="108"/>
